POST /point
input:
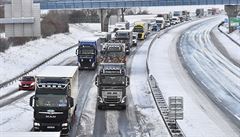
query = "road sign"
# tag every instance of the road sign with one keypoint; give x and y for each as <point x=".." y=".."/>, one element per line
<point x="235" y="20"/>
<point x="175" y="107"/>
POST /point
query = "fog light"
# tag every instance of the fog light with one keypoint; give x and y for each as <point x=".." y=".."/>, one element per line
<point x="64" y="124"/>
<point x="36" y="124"/>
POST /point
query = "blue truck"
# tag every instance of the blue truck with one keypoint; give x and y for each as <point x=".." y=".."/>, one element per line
<point x="87" y="52"/>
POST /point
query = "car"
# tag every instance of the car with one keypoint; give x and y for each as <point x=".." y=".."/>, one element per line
<point x="27" y="83"/>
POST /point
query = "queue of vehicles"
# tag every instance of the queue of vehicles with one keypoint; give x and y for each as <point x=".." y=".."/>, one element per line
<point x="56" y="87"/>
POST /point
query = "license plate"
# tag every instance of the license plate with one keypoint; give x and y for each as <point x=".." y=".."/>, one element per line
<point x="112" y="105"/>
<point x="51" y="127"/>
<point x="25" y="86"/>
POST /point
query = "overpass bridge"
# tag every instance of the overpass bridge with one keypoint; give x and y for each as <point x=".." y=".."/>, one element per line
<point x="108" y="7"/>
<point x="98" y="4"/>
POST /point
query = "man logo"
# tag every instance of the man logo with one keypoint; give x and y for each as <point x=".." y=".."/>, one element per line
<point x="50" y="111"/>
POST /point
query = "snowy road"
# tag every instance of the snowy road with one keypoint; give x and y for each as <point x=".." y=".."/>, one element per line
<point x="141" y="117"/>
<point x="219" y="75"/>
<point x="202" y="118"/>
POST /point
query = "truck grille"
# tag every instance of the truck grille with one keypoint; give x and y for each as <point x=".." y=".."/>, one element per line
<point x="112" y="96"/>
<point x="111" y="99"/>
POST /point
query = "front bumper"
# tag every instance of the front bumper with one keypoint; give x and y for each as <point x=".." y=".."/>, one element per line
<point x="27" y="87"/>
<point x="119" y="104"/>
<point x="38" y="126"/>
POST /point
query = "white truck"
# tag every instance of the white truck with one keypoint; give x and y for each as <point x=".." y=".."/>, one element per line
<point x="121" y="26"/>
<point x="125" y="36"/>
<point x="160" y="21"/>
<point x="55" y="98"/>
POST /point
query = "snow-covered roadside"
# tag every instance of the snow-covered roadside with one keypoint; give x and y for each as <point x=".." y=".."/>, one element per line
<point x="201" y="117"/>
<point x="234" y="35"/>
<point x="16" y="60"/>
<point x="150" y="119"/>
<point x="232" y="49"/>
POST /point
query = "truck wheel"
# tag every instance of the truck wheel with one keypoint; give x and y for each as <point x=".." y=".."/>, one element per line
<point x="124" y="107"/>
<point x="35" y="130"/>
<point x="100" y="107"/>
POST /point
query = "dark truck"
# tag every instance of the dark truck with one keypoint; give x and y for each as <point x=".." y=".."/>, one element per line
<point x="112" y="82"/>
<point x="199" y="13"/>
<point x="87" y="53"/>
<point x="55" y="99"/>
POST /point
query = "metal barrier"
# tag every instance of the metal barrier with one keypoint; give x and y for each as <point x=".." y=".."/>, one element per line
<point x="172" y="126"/>
<point x="227" y="34"/>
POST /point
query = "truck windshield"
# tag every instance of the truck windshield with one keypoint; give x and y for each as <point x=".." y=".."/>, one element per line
<point x="159" y="21"/>
<point x="50" y="100"/>
<point x="122" y="35"/>
<point x="112" y="80"/>
<point x="87" y="51"/>
<point x="176" y="13"/>
<point x="138" y="29"/>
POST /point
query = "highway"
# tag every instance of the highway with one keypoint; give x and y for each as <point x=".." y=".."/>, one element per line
<point x="174" y="80"/>
<point x="185" y="62"/>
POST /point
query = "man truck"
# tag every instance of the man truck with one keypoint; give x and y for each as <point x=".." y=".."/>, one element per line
<point x="87" y="53"/>
<point x="141" y="28"/>
<point x="112" y="82"/>
<point x="55" y="98"/>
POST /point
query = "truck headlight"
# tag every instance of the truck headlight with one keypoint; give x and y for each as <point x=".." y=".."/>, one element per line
<point x="36" y="124"/>
<point x="123" y="99"/>
<point x="90" y="60"/>
<point x="100" y="99"/>
<point x="64" y="124"/>
<point x="81" y="60"/>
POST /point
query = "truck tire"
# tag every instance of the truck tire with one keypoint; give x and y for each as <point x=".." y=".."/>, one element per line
<point x="100" y="107"/>
<point x="123" y="107"/>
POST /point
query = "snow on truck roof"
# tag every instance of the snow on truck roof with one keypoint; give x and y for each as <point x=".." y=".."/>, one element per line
<point x="58" y="71"/>
<point x="89" y="39"/>
<point x="30" y="134"/>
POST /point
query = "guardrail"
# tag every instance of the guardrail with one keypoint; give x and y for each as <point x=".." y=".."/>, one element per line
<point x="12" y="80"/>
<point x="227" y="34"/>
<point x="172" y="125"/>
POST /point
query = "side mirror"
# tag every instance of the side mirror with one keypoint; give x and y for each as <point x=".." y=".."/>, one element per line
<point x="96" y="80"/>
<point x="96" y="52"/>
<point x="76" y="51"/>
<point x="70" y="100"/>
<point x="127" y="81"/>
<point x="31" y="101"/>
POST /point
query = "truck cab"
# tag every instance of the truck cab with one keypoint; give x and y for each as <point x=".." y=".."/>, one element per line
<point x="142" y="29"/>
<point x="54" y="102"/>
<point x="111" y="82"/>
<point x="87" y="53"/>
<point x="113" y="53"/>
<point x="125" y="36"/>
<point x="161" y="22"/>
